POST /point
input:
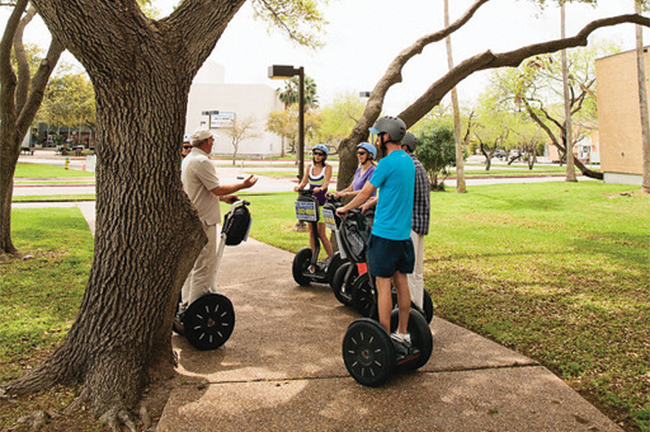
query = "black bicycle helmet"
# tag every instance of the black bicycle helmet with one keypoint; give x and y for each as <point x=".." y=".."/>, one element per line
<point x="393" y="126"/>
<point x="410" y="141"/>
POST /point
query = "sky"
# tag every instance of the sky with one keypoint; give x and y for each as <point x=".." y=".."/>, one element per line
<point x="363" y="37"/>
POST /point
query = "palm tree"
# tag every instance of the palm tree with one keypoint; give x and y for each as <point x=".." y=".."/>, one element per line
<point x="643" y="103"/>
<point x="460" y="157"/>
<point x="290" y="94"/>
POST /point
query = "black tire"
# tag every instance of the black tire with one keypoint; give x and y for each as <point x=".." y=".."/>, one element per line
<point x="335" y="262"/>
<point x="427" y="303"/>
<point x="428" y="307"/>
<point x="300" y="264"/>
<point x="340" y="283"/>
<point x="209" y="321"/>
<point x="368" y="353"/>
<point x="364" y="296"/>
<point x="421" y="338"/>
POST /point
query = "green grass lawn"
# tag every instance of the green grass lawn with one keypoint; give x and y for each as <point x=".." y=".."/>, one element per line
<point x="557" y="271"/>
<point x="36" y="170"/>
<point x="40" y="297"/>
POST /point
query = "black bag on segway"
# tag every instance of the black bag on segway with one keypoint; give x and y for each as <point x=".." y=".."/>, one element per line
<point x="354" y="235"/>
<point x="236" y="224"/>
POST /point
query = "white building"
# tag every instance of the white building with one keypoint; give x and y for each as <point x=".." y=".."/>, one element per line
<point x="233" y="102"/>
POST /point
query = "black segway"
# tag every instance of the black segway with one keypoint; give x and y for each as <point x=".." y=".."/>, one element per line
<point x="370" y="355"/>
<point x="210" y="320"/>
<point x="352" y="235"/>
<point x="352" y="284"/>
<point x="306" y="267"/>
<point x="364" y="298"/>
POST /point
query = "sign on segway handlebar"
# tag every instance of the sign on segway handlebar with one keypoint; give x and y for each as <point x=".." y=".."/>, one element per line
<point x="330" y="221"/>
<point x="306" y="211"/>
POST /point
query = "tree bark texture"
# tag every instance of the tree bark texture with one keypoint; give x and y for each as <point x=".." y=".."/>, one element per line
<point x="20" y="98"/>
<point x="434" y="94"/>
<point x="147" y="233"/>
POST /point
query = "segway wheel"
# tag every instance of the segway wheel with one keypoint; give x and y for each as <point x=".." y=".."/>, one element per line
<point x="364" y="296"/>
<point x="209" y="321"/>
<point x="428" y="307"/>
<point x="427" y="304"/>
<point x="334" y="263"/>
<point x="368" y="353"/>
<point x="421" y="338"/>
<point x="342" y="283"/>
<point x="300" y="264"/>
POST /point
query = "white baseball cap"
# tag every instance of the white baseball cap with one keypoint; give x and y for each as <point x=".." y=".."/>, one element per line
<point x="200" y="135"/>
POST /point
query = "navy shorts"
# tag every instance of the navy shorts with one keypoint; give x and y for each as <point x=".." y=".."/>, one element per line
<point x="385" y="257"/>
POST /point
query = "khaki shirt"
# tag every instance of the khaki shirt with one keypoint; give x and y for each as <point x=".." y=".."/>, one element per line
<point x="199" y="177"/>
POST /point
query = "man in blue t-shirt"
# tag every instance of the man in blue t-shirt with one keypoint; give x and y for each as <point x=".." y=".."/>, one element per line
<point x="390" y="249"/>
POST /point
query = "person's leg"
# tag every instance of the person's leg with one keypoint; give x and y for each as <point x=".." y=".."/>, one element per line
<point x="312" y="237"/>
<point x="416" y="279"/>
<point x="384" y="301"/>
<point x="204" y="272"/>
<point x="322" y="234"/>
<point x="403" y="301"/>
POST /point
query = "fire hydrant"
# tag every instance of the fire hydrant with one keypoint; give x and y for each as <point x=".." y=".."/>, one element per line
<point x="67" y="163"/>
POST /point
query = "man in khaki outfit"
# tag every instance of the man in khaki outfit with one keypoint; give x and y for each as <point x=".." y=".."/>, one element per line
<point x="202" y="185"/>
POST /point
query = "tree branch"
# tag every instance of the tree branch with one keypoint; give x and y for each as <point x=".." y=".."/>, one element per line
<point x="207" y="20"/>
<point x="24" y="77"/>
<point x="39" y="83"/>
<point x="488" y="60"/>
<point x="7" y="75"/>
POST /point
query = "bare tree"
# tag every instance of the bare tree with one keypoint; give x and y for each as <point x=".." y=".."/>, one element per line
<point x="239" y="131"/>
<point x="20" y="97"/>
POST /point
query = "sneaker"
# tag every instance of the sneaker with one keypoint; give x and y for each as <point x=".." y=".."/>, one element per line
<point x="404" y="349"/>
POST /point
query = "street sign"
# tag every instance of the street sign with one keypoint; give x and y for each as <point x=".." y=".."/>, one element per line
<point x="221" y="120"/>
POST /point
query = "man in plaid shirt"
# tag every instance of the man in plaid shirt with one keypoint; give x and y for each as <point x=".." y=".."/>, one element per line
<point x="420" y="222"/>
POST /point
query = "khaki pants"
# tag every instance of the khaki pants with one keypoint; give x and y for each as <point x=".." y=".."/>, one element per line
<point x="202" y="278"/>
<point x="416" y="279"/>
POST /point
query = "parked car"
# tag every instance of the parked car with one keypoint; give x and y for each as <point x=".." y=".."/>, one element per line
<point x="500" y="154"/>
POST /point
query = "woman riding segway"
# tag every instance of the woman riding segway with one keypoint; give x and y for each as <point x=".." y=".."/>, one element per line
<point x="348" y="272"/>
<point x="318" y="177"/>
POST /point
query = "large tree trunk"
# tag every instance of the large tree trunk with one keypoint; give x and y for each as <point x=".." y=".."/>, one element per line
<point x="19" y="102"/>
<point x="147" y="234"/>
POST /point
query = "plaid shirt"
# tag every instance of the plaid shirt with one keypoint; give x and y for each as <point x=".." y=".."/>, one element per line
<point x="421" y="199"/>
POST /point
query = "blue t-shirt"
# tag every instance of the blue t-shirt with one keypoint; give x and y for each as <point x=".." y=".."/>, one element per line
<point x="395" y="179"/>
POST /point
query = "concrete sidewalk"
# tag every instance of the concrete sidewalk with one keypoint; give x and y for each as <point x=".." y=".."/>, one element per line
<point x="282" y="370"/>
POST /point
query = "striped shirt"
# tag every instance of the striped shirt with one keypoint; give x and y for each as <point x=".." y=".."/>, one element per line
<point x="421" y="208"/>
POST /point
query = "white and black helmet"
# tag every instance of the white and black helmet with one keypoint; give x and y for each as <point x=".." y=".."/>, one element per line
<point x="410" y="141"/>
<point x="393" y="126"/>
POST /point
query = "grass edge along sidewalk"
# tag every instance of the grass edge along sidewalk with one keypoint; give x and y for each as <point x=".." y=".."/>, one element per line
<point x="556" y="271"/>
